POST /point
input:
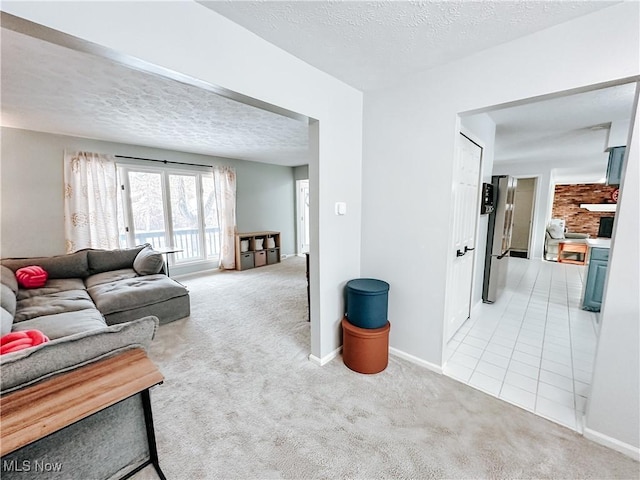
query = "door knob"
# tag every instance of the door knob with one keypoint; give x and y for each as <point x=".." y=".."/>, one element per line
<point x="467" y="249"/>
<point x="460" y="253"/>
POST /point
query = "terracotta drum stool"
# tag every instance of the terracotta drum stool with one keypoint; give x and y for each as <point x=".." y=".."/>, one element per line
<point x="365" y="350"/>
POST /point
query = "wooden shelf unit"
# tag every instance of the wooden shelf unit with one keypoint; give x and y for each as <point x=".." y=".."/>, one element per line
<point x="254" y="256"/>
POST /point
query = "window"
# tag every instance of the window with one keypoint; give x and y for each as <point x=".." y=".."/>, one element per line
<point x="166" y="207"/>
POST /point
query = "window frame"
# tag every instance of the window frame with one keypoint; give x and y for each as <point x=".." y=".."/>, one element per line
<point x="126" y="220"/>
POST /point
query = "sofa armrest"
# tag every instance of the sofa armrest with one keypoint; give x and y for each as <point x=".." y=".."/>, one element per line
<point x="31" y="365"/>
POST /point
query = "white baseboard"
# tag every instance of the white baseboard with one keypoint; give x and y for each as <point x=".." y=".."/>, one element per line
<point x="327" y="358"/>
<point x="418" y="361"/>
<point x="393" y="351"/>
<point x="617" y="445"/>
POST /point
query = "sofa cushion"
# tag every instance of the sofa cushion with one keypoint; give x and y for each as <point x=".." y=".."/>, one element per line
<point x="52" y="286"/>
<point x="108" y="277"/>
<point x="6" y="321"/>
<point x="148" y="262"/>
<point x="26" y="367"/>
<point x="8" y="278"/>
<point x="73" y="265"/>
<point x="67" y="301"/>
<point x="64" y="324"/>
<point x="167" y="311"/>
<point x="106" y="260"/>
<point x="7" y="299"/>
<point x="135" y="292"/>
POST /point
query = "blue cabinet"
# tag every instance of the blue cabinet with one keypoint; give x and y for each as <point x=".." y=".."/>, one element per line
<point x="614" y="169"/>
<point x="596" y="276"/>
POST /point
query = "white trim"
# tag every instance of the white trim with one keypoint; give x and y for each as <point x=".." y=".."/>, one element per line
<point x="302" y="217"/>
<point x="610" y="442"/>
<point x="418" y="361"/>
<point x="471" y="136"/>
<point x="393" y="351"/>
<point x="327" y="358"/>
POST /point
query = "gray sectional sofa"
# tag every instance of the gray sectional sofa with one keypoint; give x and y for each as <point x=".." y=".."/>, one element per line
<point x="95" y="304"/>
<point x="119" y="285"/>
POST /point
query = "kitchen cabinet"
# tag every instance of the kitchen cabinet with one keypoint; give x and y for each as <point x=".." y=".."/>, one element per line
<point x="614" y="169"/>
<point x="596" y="276"/>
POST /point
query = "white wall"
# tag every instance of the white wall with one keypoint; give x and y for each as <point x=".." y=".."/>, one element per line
<point x="32" y="162"/>
<point x="189" y="38"/>
<point x="412" y="127"/>
<point x="613" y="413"/>
<point x="409" y="137"/>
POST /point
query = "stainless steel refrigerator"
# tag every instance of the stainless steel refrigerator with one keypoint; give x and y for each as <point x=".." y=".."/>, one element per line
<point x="499" y="232"/>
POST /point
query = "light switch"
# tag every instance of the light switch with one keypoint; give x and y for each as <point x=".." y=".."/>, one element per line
<point x="341" y="208"/>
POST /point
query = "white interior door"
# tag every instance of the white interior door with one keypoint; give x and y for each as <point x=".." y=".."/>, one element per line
<point x="302" y="192"/>
<point x="466" y="193"/>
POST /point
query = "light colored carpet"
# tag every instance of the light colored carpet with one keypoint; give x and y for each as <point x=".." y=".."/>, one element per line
<point x="241" y="401"/>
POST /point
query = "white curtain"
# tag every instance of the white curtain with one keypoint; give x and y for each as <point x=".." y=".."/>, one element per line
<point x="90" y="201"/>
<point x="224" y="179"/>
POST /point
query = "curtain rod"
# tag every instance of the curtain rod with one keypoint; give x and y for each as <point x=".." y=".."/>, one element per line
<point x="164" y="161"/>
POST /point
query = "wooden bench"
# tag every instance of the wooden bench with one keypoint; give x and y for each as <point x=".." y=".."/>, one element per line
<point x="33" y="412"/>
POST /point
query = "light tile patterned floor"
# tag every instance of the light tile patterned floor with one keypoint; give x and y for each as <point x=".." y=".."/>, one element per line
<point x="534" y="347"/>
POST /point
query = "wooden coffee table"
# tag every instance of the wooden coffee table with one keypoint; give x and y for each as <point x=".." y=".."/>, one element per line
<point x="572" y="252"/>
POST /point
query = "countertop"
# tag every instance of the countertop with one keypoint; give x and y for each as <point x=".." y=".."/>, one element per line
<point x="599" y="242"/>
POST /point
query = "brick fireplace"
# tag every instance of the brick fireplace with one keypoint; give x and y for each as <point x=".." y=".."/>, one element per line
<point x="568" y="198"/>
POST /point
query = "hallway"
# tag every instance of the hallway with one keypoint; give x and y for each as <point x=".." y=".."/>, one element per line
<point x="534" y="347"/>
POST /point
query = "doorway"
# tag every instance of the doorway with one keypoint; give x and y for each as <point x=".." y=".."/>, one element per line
<point x="302" y="204"/>
<point x="536" y="348"/>
<point x="523" y="218"/>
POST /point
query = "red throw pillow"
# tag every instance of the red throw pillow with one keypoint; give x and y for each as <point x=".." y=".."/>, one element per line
<point x="33" y="276"/>
<point x="14" y="341"/>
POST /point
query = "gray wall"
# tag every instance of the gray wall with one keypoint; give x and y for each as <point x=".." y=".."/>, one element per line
<point x="31" y="190"/>
<point x="301" y="172"/>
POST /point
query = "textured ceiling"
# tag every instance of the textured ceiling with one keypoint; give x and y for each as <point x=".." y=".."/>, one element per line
<point x="373" y="44"/>
<point x="570" y="131"/>
<point x="53" y="89"/>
